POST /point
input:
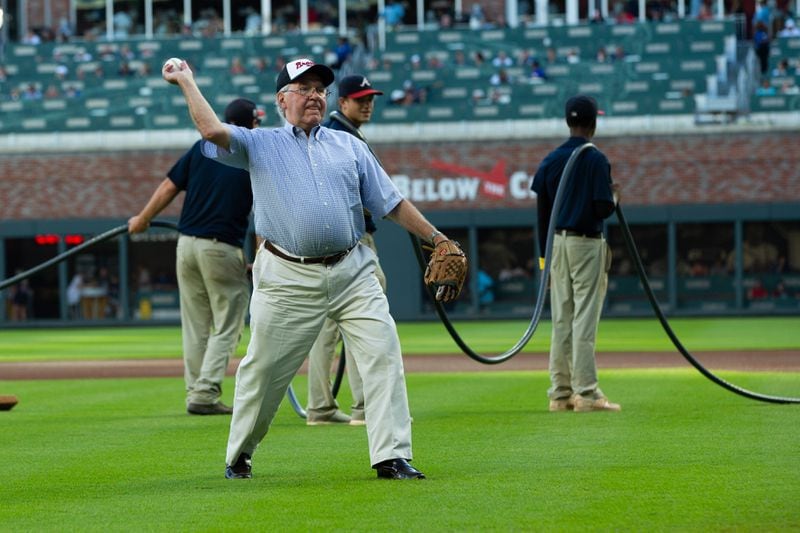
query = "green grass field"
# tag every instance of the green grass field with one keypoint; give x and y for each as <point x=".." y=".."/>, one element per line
<point x="683" y="455"/>
<point x="624" y="335"/>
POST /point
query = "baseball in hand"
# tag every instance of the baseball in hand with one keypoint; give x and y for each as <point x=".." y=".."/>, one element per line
<point x="175" y="62"/>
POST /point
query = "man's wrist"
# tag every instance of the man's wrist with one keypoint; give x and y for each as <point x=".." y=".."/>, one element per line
<point x="435" y="233"/>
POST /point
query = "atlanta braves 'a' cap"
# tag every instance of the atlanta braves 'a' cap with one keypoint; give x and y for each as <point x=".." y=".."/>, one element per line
<point x="356" y="87"/>
<point x="296" y="68"/>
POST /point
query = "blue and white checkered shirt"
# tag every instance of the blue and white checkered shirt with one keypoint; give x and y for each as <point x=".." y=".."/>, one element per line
<point x="309" y="191"/>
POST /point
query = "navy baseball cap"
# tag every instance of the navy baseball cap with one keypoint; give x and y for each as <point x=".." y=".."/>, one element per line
<point x="242" y="112"/>
<point x="297" y="67"/>
<point x="356" y="87"/>
<point x="581" y="110"/>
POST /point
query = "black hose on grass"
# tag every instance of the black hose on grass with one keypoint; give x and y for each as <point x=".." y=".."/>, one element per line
<point x="634" y="254"/>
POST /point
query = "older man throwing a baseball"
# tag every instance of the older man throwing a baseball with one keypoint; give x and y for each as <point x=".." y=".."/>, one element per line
<point x="310" y="186"/>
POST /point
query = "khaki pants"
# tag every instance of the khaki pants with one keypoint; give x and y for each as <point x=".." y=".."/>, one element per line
<point x="214" y="291"/>
<point x="578" y="283"/>
<point x="289" y="305"/>
<point x="321" y="402"/>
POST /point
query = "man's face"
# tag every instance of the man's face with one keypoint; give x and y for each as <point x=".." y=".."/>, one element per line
<point x="358" y="110"/>
<point x="304" y="102"/>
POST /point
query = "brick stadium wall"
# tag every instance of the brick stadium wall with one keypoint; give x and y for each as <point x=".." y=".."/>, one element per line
<point x="665" y="170"/>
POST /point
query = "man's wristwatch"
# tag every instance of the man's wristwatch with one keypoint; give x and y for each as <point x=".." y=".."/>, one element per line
<point x="433" y="235"/>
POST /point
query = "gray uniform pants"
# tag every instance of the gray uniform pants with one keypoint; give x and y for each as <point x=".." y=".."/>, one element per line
<point x="290" y="303"/>
<point x="321" y="402"/>
<point x="578" y="283"/>
<point x="214" y="291"/>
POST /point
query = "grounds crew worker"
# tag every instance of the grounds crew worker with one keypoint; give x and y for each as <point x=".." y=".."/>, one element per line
<point x="210" y="264"/>
<point x="356" y="103"/>
<point x="310" y="185"/>
<point x="581" y="259"/>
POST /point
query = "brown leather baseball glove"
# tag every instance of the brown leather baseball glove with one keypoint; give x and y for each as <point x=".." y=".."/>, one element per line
<point x="446" y="270"/>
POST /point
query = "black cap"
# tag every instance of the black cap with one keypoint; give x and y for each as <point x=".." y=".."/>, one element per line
<point x="297" y="67"/>
<point x="356" y="87"/>
<point x="581" y="110"/>
<point x="242" y="112"/>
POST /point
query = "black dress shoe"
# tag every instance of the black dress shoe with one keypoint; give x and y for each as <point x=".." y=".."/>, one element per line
<point x="218" y="408"/>
<point x="241" y="469"/>
<point x="397" y="469"/>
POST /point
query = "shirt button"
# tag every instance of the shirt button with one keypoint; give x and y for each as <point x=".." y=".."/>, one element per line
<point x="324" y="203"/>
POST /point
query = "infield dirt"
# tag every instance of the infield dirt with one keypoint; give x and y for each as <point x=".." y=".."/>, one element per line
<point x="774" y="360"/>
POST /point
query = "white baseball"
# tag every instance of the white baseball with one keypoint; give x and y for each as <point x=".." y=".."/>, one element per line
<point x="175" y="62"/>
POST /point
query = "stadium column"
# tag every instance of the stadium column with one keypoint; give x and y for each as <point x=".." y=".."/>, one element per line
<point x="541" y="12"/>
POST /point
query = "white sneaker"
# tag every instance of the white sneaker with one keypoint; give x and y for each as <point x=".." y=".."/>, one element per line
<point x="562" y="404"/>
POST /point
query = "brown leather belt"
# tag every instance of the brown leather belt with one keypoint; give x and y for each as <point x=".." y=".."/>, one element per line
<point x="572" y="233"/>
<point x="327" y="260"/>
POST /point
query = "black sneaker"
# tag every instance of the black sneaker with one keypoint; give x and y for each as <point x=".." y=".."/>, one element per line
<point x="218" y="408"/>
<point x="241" y="469"/>
<point x="397" y="469"/>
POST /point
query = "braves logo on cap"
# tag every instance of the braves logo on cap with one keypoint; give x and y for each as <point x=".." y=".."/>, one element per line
<point x="296" y="68"/>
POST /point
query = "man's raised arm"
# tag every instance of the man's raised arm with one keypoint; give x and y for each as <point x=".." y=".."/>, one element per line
<point x="177" y="72"/>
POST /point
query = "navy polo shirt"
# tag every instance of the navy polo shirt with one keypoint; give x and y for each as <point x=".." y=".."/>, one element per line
<point x="218" y="198"/>
<point x="590" y="183"/>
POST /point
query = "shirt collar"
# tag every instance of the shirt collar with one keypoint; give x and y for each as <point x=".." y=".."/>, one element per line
<point x="295" y="131"/>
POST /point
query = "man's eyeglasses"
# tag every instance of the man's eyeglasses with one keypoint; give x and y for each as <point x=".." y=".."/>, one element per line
<point x="308" y="92"/>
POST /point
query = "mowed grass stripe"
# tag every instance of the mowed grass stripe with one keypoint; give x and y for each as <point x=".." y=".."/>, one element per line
<point x="488" y="337"/>
<point x="683" y="455"/>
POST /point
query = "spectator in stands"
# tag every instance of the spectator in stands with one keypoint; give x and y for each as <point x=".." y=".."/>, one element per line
<point x="52" y="92"/>
<point x="781" y="69"/>
<point x="780" y="292"/>
<point x="237" y="67"/>
<point x="551" y="57"/>
<point x="411" y="94"/>
<point x="485" y="289"/>
<point x="125" y="53"/>
<point x="757" y="291"/>
<point x="393" y="14"/>
<point x="572" y="57"/>
<point x="343" y="52"/>
<point x="762" y="14"/>
<point x="435" y="63"/>
<point x="61" y="71"/>
<point x="501" y="77"/>
<point x="32" y="92"/>
<point x="476" y="17"/>
<point x="32" y="38"/>
<point x="123" y="23"/>
<point x="72" y="91"/>
<point x="789" y="87"/>
<point x="74" y="296"/>
<point x="501" y="60"/>
<point x="125" y="69"/>
<point x="790" y="29"/>
<point x="3" y="74"/>
<point x="252" y="23"/>
<point x="761" y="44"/>
<point x="21" y="296"/>
<point x="766" y="88"/>
<point x="538" y="74"/>
<point x="144" y="70"/>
